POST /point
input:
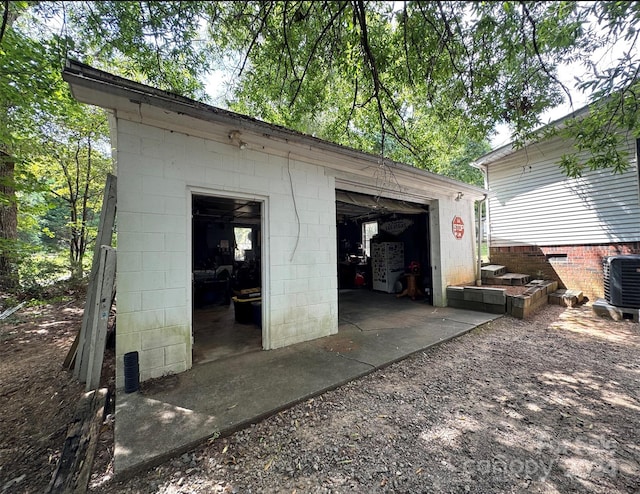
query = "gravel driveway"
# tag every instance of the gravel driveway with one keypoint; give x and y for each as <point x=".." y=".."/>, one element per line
<point x="547" y="404"/>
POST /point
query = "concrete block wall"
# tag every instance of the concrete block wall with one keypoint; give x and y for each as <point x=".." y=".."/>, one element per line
<point x="158" y="171"/>
<point x="492" y="300"/>
<point x="453" y="259"/>
<point x="536" y="295"/>
<point x="577" y="267"/>
<point x="496" y="300"/>
<point x="303" y="293"/>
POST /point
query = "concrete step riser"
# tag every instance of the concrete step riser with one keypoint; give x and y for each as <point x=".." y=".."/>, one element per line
<point x="492" y="271"/>
<point x="513" y="279"/>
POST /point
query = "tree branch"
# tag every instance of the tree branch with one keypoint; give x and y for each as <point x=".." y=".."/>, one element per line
<point x="353" y="103"/>
<point x="319" y="38"/>
<point x="405" y="19"/>
<point x="445" y="40"/>
<point x="377" y="83"/>
<point x="286" y="40"/>
<point x="536" y="49"/>
<point x="364" y="41"/>
<point x="256" y="35"/>
<point x="5" y="20"/>
<point x="441" y="42"/>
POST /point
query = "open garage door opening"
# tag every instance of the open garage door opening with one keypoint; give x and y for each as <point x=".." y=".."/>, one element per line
<point x="227" y="277"/>
<point x="383" y="247"/>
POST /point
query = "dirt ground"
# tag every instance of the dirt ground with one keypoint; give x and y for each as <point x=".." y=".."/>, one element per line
<point x="37" y="396"/>
<point x="549" y="404"/>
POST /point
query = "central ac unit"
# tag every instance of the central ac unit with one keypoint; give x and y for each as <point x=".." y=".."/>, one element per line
<point x="622" y="280"/>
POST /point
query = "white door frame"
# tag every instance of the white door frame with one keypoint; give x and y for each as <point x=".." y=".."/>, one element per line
<point x="265" y="264"/>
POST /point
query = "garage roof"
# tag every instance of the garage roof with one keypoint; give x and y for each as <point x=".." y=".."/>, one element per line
<point x="94" y="86"/>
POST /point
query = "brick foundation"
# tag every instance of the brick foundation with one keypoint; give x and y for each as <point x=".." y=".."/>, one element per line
<point x="577" y="267"/>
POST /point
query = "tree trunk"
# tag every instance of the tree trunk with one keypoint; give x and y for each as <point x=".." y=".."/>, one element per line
<point x="8" y="225"/>
<point x="9" y="276"/>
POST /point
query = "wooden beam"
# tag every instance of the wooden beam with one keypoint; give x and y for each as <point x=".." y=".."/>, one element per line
<point x="71" y="354"/>
<point x="73" y="471"/>
<point x="97" y="337"/>
<point x="105" y="234"/>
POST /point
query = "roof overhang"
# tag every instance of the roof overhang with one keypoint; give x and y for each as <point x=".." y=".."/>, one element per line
<point x="137" y="102"/>
<point x="501" y="152"/>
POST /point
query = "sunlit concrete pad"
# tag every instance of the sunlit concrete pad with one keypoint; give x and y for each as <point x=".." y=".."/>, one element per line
<point x="178" y="412"/>
<point x="154" y="429"/>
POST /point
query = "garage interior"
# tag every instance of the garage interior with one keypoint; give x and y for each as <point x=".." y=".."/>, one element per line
<point x="227" y="311"/>
<point x="227" y="284"/>
<point x="383" y="246"/>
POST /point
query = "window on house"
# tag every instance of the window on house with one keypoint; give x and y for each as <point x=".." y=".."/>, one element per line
<point x="369" y="229"/>
<point x="243" y="242"/>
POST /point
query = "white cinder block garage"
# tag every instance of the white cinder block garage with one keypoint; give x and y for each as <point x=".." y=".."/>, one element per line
<point x="221" y="217"/>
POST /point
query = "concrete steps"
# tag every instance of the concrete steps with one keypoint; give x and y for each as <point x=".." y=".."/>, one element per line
<point x="536" y="294"/>
<point x="492" y="271"/>
<point x="495" y="274"/>
<point x="482" y="299"/>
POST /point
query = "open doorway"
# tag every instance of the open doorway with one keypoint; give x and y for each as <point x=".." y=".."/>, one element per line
<point x="383" y="247"/>
<point x="227" y="277"/>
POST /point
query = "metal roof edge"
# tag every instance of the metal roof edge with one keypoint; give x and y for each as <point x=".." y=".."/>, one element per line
<point x="85" y="75"/>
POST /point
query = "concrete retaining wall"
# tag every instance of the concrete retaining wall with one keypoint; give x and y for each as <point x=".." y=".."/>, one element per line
<point x="496" y="301"/>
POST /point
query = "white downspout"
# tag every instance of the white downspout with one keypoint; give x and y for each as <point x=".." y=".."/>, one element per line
<point x="485" y="175"/>
<point x="479" y="271"/>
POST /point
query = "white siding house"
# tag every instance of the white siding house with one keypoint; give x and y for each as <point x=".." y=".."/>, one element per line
<point x="543" y="223"/>
<point x="177" y="157"/>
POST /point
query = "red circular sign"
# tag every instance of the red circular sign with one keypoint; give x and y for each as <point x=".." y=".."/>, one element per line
<point x="457" y="227"/>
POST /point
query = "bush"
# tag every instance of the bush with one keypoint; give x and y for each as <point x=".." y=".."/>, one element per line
<point x="45" y="276"/>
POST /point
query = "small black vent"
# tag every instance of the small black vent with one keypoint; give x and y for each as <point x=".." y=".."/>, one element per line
<point x="622" y="280"/>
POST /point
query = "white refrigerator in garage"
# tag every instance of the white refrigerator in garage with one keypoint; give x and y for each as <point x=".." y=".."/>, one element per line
<point x="387" y="265"/>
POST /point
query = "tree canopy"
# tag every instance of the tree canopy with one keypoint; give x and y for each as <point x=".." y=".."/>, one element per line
<point x="415" y="81"/>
